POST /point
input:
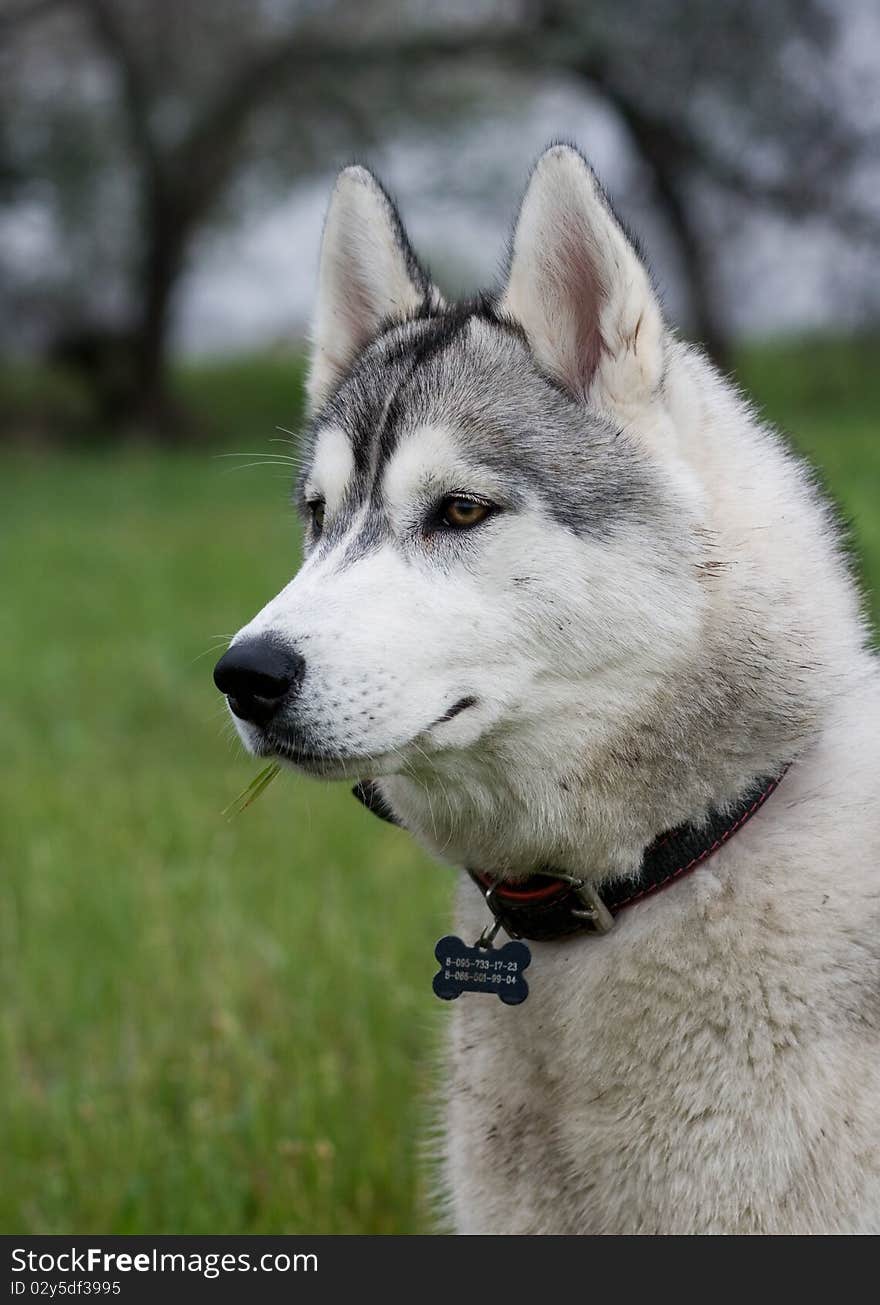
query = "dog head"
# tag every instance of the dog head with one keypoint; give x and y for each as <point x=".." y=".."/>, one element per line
<point x="499" y="534"/>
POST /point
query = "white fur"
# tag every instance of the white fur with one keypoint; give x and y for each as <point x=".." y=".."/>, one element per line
<point x="713" y="1064"/>
<point x="331" y="469"/>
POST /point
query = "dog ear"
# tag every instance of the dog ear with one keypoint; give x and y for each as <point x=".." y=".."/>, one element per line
<point x="368" y="273"/>
<point x="579" y="289"/>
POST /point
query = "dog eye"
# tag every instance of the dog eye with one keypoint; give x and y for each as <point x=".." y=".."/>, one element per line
<point x="316" y="507"/>
<point x="461" y="513"/>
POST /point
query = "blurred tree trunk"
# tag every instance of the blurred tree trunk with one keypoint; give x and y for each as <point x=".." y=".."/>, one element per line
<point x="162" y="240"/>
<point x="177" y="184"/>
<point x="696" y="261"/>
<point x="666" y="157"/>
<point x="697" y="264"/>
<point x="151" y="401"/>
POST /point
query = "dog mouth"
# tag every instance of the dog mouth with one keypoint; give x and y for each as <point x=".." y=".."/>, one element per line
<point x="340" y="765"/>
<point x="455" y="710"/>
<point x="325" y="765"/>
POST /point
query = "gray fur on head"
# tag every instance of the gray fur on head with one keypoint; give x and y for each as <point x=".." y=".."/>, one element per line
<point x="632" y="650"/>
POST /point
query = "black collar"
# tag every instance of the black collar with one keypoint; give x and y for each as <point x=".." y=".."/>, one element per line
<point x="551" y="905"/>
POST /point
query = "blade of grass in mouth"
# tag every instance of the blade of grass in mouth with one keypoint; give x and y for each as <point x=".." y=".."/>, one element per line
<point x="253" y="790"/>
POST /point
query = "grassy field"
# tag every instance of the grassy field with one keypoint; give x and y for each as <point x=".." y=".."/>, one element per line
<point x="210" y="1026"/>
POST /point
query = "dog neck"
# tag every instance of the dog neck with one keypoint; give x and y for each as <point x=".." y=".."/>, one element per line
<point x="595" y="822"/>
<point x="553" y="904"/>
<point x="589" y="799"/>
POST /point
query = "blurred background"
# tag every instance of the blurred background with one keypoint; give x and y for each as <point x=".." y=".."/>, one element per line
<point x="227" y="1026"/>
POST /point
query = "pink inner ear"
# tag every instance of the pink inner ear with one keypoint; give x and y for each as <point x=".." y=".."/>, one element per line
<point x="579" y="291"/>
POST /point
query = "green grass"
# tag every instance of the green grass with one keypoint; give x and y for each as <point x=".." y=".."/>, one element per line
<point x="215" y="1026"/>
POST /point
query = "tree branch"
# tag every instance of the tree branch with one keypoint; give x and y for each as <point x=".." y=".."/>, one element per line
<point x="136" y="99"/>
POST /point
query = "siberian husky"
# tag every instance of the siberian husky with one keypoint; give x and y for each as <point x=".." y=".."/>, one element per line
<point x="572" y="614"/>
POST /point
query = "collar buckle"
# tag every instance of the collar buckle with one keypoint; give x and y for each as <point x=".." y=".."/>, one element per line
<point x="589" y="909"/>
<point x="594" y="912"/>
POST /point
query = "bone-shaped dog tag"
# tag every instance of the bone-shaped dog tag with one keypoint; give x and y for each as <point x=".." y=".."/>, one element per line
<point x="481" y="969"/>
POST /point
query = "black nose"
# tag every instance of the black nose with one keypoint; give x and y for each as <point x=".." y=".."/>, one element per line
<point x="257" y="675"/>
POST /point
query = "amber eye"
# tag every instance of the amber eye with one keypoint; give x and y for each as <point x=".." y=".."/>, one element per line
<point x="316" y="507"/>
<point x="462" y="513"/>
